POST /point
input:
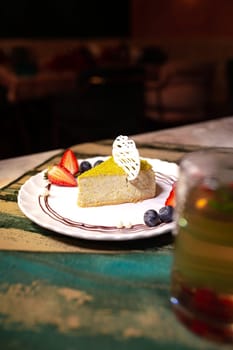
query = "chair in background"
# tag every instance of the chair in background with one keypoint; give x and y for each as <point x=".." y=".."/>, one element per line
<point x="108" y="102"/>
<point x="179" y="92"/>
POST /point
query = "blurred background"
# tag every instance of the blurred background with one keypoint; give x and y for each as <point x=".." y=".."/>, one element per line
<point x="75" y="71"/>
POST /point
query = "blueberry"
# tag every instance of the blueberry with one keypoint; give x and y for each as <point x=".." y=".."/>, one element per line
<point x="151" y="218"/>
<point x="166" y="213"/>
<point x="84" y="166"/>
<point x="99" y="161"/>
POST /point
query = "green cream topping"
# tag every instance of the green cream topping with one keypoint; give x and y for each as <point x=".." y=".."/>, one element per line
<point x="109" y="167"/>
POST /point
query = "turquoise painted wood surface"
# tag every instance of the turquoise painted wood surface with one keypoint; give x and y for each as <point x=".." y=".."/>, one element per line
<point x="90" y="301"/>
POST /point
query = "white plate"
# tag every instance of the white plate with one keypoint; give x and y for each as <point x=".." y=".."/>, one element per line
<point x="59" y="211"/>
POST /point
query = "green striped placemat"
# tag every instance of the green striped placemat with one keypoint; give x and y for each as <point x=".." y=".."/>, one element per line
<point x="17" y="232"/>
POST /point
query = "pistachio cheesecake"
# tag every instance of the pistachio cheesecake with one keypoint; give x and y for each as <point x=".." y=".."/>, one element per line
<point x="108" y="183"/>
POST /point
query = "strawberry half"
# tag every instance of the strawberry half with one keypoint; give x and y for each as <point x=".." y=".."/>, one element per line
<point x="60" y="176"/>
<point x="69" y="161"/>
<point x="171" y="197"/>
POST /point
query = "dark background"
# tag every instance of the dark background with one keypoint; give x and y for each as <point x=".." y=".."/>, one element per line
<point x="64" y="19"/>
<point x="189" y="30"/>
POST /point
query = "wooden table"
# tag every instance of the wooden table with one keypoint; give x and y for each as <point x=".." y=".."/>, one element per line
<point x="59" y="292"/>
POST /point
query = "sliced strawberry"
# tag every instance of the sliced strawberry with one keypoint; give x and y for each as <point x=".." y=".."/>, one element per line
<point x="59" y="175"/>
<point x="69" y="161"/>
<point x="171" y="197"/>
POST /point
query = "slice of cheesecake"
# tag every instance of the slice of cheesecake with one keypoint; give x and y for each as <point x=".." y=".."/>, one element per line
<point x="107" y="184"/>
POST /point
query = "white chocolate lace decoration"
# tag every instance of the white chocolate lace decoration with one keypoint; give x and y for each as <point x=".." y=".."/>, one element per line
<point x="126" y="155"/>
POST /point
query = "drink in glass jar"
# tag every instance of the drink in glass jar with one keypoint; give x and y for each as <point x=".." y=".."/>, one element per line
<point x="202" y="273"/>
